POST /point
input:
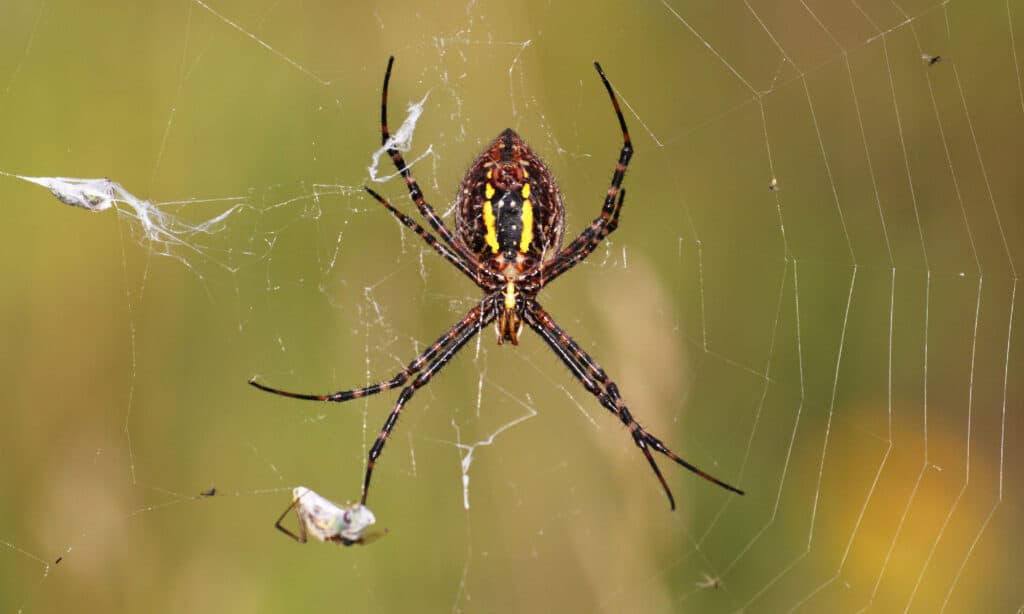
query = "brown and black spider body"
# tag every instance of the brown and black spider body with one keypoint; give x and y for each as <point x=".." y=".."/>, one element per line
<point x="509" y="211"/>
<point x="509" y="222"/>
<point x="509" y="216"/>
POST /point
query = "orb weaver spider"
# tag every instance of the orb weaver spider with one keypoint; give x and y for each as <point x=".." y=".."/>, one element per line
<point x="508" y="241"/>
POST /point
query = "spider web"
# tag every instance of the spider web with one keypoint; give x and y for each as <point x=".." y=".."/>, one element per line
<point x="812" y="295"/>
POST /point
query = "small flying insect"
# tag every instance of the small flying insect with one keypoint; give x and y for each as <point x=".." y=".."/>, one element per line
<point x="931" y="60"/>
<point x="209" y="493"/>
<point x="709" y="581"/>
<point x="328" y="521"/>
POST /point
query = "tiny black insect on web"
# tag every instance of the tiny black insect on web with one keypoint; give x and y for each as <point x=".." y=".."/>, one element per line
<point x="508" y="240"/>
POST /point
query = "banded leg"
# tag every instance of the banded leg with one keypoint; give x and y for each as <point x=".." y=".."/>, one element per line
<point x="593" y="377"/>
<point x="470" y="322"/>
<point x="421" y="380"/>
<point x="415" y="192"/>
<point x="472" y="270"/>
<point x="302" y="536"/>
<point x="582" y="246"/>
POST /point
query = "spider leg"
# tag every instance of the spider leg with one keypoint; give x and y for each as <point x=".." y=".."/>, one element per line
<point x="459" y="337"/>
<point x="581" y="247"/>
<point x="572" y="358"/>
<point x="471" y="321"/>
<point x="474" y="271"/>
<point x="414" y="188"/>
<point x="301" y="537"/>
<point x="597" y="382"/>
<point x="608" y="221"/>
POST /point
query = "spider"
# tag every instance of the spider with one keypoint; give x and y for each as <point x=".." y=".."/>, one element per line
<point x="508" y="241"/>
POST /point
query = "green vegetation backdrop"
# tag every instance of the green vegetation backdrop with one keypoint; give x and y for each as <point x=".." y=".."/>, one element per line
<point x="840" y="345"/>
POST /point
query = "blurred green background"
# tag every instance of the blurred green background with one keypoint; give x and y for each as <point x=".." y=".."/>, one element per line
<point x="841" y="346"/>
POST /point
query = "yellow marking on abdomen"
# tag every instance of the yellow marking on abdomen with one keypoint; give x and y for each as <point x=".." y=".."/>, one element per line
<point x="489" y="223"/>
<point x="527" y="237"/>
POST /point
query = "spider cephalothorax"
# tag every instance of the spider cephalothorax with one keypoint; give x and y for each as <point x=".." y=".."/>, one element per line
<point x="508" y="241"/>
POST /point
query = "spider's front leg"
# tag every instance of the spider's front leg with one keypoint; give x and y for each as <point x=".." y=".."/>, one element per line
<point x="425" y="208"/>
<point x="581" y="247"/>
<point x="608" y="220"/>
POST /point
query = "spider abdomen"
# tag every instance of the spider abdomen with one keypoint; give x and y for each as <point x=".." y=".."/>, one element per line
<point x="509" y="211"/>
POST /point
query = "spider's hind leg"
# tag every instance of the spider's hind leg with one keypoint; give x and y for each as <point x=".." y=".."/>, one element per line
<point x="460" y="334"/>
<point x="597" y="382"/>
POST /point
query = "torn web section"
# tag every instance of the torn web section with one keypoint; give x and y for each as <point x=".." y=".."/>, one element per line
<point x="89" y="194"/>
<point x="401" y="140"/>
<point x="466" y="450"/>
<point x="166" y="233"/>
